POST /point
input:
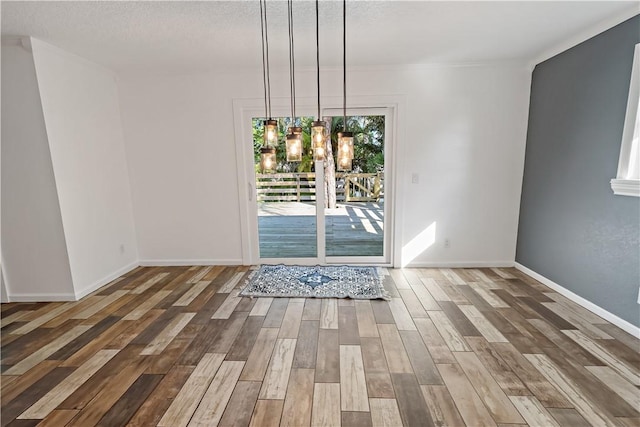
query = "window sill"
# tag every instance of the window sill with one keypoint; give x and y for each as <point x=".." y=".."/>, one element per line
<point x="626" y="187"/>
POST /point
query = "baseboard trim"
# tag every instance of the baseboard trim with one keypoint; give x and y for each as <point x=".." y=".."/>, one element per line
<point x="606" y="315"/>
<point x="41" y="297"/>
<point x="183" y="262"/>
<point x="105" y="280"/>
<point x="464" y="264"/>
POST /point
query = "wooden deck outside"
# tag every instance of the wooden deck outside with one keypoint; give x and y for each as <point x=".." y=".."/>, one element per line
<point x="288" y="229"/>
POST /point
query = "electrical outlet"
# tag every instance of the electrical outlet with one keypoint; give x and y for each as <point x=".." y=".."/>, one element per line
<point x="447" y="243"/>
<point x="121" y="248"/>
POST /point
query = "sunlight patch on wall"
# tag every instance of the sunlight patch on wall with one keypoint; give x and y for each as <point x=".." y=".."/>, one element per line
<point x="418" y="244"/>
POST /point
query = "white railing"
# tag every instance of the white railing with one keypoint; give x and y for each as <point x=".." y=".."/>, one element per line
<point x="301" y="187"/>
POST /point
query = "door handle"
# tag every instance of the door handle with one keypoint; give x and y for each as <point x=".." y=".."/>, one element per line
<point x="250" y="188"/>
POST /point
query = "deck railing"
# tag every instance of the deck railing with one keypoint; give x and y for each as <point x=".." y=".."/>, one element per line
<point x="301" y="187"/>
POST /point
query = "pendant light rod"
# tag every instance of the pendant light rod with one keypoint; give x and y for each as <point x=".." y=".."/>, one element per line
<point x="265" y="57"/>
<point x="344" y="65"/>
<point x="264" y="68"/>
<point x="318" y="57"/>
<point x="292" y="63"/>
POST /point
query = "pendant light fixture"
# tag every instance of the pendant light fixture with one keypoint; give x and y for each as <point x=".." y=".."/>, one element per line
<point x="270" y="140"/>
<point x="294" y="133"/>
<point x="318" y="127"/>
<point x="345" y="138"/>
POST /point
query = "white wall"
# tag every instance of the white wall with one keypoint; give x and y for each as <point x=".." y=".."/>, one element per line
<point x="463" y="131"/>
<point x="465" y="136"/>
<point x="82" y="119"/>
<point x="34" y="254"/>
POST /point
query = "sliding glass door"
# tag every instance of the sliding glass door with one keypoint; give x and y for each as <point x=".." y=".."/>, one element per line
<point x="354" y="214"/>
<point x="315" y="213"/>
<point x="285" y="196"/>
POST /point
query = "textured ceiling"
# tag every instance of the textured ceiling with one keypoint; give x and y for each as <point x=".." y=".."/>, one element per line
<point x="185" y="36"/>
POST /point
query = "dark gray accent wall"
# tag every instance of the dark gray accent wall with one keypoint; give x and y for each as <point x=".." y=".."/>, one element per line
<point x="573" y="230"/>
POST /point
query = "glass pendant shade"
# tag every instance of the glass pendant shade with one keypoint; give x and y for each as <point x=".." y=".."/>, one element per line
<point x="345" y="151"/>
<point x="318" y="140"/>
<point x="268" y="159"/>
<point x="345" y="144"/>
<point x="270" y="133"/>
<point x="294" y="147"/>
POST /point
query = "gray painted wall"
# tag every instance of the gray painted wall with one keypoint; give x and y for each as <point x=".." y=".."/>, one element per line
<point x="573" y="229"/>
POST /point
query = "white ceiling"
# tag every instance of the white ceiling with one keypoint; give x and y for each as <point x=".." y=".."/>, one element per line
<point x="185" y="36"/>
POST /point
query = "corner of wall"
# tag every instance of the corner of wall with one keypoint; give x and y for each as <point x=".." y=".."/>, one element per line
<point x="586" y="34"/>
<point x="30" y="224"/>
<point x="81" y="293"/>
<point x="74" y="90"/>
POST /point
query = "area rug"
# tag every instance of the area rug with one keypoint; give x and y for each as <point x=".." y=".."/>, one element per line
<point x="296" y="281"/>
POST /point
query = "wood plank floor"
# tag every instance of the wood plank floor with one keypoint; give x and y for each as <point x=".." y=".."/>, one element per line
<point x="177" y="346"/>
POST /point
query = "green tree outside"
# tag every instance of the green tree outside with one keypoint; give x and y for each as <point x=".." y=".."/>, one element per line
<point x="368" y="143"/>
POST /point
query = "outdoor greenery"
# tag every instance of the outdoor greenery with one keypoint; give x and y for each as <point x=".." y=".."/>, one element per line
<point x="368" y="134"/>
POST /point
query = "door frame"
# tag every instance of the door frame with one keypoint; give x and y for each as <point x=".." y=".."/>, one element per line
<point x="246" y="109"/>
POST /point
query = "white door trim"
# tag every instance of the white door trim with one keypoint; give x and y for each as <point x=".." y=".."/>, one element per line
<point x="245" y="109"/>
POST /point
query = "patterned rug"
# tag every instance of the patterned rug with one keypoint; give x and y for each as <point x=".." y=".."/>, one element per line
<point x="296" y="281"/>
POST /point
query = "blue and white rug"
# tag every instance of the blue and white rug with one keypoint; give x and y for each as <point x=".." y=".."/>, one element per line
<point x="295" y="281"/>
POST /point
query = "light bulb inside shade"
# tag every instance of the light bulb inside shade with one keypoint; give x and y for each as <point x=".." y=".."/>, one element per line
<point x="268" y="159"/>
<point x="294" y="147"/>
<point x="270" y="133"/>
<point x="345" y="144"/>
<point x="318" y="137"/>
<point x="317" y="132"/>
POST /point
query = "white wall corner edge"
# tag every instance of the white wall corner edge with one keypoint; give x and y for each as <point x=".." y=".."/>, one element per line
<point x="104" y="281"/>
<point x="459" y="264"/>
<point x="586" y="34"/>
<point x="184" y="262"/>
<point x="621" y="323"/>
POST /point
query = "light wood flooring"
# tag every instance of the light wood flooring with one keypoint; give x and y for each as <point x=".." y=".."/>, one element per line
<point x="177" y="346"/>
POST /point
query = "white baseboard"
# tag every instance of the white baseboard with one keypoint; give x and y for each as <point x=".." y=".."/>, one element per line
<point x="41" y="297"/>
<point x="621" y="323"/>
<point x="183" y="262"/>
<point x="100" y="283"/>
<point x="78" y="294"/>
<point x="463" y="264"/>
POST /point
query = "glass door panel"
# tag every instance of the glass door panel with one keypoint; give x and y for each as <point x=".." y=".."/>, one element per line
<point x="285" y="195"/>
<point x="354" y="214"/>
